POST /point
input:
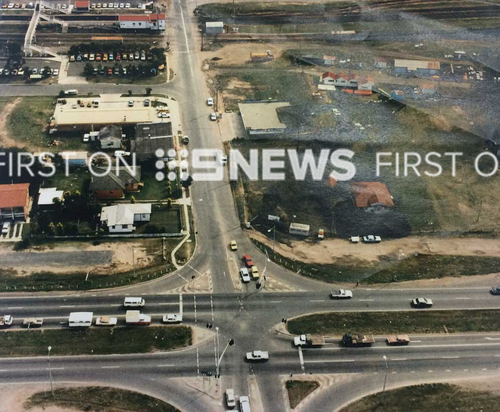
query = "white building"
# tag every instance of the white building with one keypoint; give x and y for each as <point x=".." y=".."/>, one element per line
<point x="46" y="196"/>
<point x="299" y="229"/>
<point x="121" y="218"/>
<point x="142" y="21"/>
<point x="214" y="27"/>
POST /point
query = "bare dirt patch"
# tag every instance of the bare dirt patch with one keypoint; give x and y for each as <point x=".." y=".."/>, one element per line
<point x="5" y="139"/>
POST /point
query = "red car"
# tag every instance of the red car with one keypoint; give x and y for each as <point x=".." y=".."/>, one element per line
<point x="247" y="260"/>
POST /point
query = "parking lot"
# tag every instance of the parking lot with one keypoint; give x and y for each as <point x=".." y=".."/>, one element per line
<point x="42" y="69"/>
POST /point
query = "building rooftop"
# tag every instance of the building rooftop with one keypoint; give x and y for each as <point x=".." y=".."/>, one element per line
<point x="113" y="180"/>
<point x="146" y="148"/>
<point x="371" y="194"/>
<point x="123" y="214"/>
<point x="14" y="195"/>
<point x="214" y="24"/>
<point x="262" y="115"/>
<point x="141" y="17"/>
<point x="417" y="64"/>
<point x="47" y="195"/>
<point x="152" y="130"/>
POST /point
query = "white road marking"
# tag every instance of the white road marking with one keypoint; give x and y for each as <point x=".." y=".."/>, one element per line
<point x="466" y="370"/>
<point x="484" y="369"/>
<point x="462" y="298"/>
<point x="109" y="367"/>
<point x="187" y="43"/>
<point x="448" y="370"/>
<point x="430" y="371"/>
<point x="489" y="338"/>
<point x="67" y="306"/>
<point x="394" y="372"/>
<point x="330" y="361"/>
<point x="164" y="366"/>
<point x="450" y="357"/>
<point x="275" y="301"/>
<point x="3" y="370"/>
<point x="167" y="303"/>
<point x="416" y="341"/>
<point x="15" y="307"/>
<point x="365" y="300"/>
<point x="56" y="369"/>
<point x="398" y="359"/>
<point x="317" y="300"/>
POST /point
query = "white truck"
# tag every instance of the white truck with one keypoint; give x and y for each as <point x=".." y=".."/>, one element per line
<point x="135" y="317"/>
<point x="6" y="321"/>
<point x="80" y="319"/>
<point x="308" y="340"/>
<point x="257" y="355"/>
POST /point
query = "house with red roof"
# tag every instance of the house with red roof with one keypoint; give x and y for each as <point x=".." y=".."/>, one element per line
<point x="14" y="201"/>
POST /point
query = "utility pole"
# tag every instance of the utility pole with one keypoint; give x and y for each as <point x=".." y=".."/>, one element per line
<point x="230" y="342"/>
<point x="217" y="355"/>
<point x="274" y="236"/>
<point x="50" y="371"/>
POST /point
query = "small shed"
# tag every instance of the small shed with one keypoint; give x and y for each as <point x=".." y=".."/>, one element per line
<point x="76" y="158"/>
<point x="47" y="196"/>
<point x="214" y="27"/>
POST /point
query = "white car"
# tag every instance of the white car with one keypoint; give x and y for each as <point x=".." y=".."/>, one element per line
<point x="106" y="321"/>
<point x="244" y="403"/>
<point x="121" y="153"/>
<point x="6" y="228"/>
<point x="127" y="5"/>
<point x="172" y="318"/>
<point x="230" y="399"/>
<point x="210" y="101"/>
<point x="223" y="160"/>
<point x="372" y="239"/>
<point x="11" y="6"/>
<point x="257" y="355"/>
<point x="213" y="117"/>
<point x="245" y="276"/>
<point x="122" y="5"/>
<point x="55" y="72"/>
<point x="341" y="294"/>
<point x="86" y="138"/>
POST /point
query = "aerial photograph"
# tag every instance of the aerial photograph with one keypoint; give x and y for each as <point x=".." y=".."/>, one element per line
<point x="250" y="205"/>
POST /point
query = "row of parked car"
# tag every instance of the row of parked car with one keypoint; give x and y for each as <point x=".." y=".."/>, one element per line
<point x="114" y="6"/>
<point x="18" y="6"/>
<point x="118" y="71"/>
<point x="24" y="71"/>
<point x="118" y="56"/>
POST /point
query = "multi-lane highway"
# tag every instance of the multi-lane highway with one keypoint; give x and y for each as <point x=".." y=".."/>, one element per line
<point x="241" y="312"/>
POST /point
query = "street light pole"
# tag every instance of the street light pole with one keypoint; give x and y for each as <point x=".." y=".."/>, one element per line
<point x="385" y="379"/>
<point x="50" y="371"/>
<point x="217" y="355"/>
<point x="133" y="259"/>
<point x="274" y="236"/>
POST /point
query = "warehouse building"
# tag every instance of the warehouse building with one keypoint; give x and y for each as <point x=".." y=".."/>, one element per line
<point x="402" y="66"/>
<point x="262" y="117"/>
<point x="214" y="27"/>
<point x="142" y="21"/>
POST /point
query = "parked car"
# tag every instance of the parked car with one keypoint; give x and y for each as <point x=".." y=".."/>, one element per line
<point x="72" y="58"/>
<point x="230" y="398"/>
<point x="421" y="303"/>
<point x="255" y="272"/>
<point x="5" y="228"/>
<point x="130" y="103"/>
<point x="213" y="117"/>
<point x="55" y="72"/>
<point x="247" y="260"/>
<point x="210" y="101"/>
<point x="341" y="294"/>
<point x="147" y="102"/>
<point x="245" y="276"/>
<point x="121" y="153"/>
<point x="91" y="57"/>
<point x="111" y="57"/>
<point x="233" y="245"/>
<point x="372" y="239"/>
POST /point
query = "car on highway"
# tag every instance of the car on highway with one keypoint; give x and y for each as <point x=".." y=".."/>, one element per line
<point x="245" y="276"/>
<point x="247" y="260"/>
<point x="372" y="239"/>
<point x="341" y="294"/>
<point x="255" y="272"/>
<point x="257" y="355"/>
<point x="6" y="321"/>
<point x="230" y="398"/>
<point x="213" y="117"/>
<point x="134" y="302"/>
<point x="233" y="245"/>
<point x="210" y="101"/>
<point x="5" y="228"/>
<point x="172" y="318"/>
<point x="106" y="321"/>
<point x="421" y="303"/>
<point x="495" y="290"/>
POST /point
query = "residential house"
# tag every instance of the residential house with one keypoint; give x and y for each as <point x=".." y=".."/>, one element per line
<point x="47" y="197"/>
<point x="116" y="183"/>
<point x="381" y="63"/>
<point x="328" y="78"/>
<point x="397" y="94"/>
<point x="329" y="60"/>
<point x="364" y="83"/>
<point x="82" y="6"/>
<point x="14" y="201"/>
<point x="121" y="218"/>
<point x="370" y="194"/>
<point x="428" y="89"/>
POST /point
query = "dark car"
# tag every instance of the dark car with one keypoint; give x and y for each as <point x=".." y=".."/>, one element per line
<point x="421" y="303"/>
<point x="495" y="290"/>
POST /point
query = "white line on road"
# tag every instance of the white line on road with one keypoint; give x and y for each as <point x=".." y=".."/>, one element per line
<point x="4" y="370"/>
<point x="317" y="300"/>
<point x="448" y="370"/>
<point x="56" y="369"/>
<point x="366" y="300"/>
<point x="164" y="366"/>
<point x="466" y="370"/>
<point x="275" y="301"/>
<point x="430" y="371"/>
<point x="462" y="298"/>
<point x="67" y="306"/>
<point x="197" y="362"/>
<point x="484" y="369"/>
<point x="450" y="357"/>
<point x="15" y="307"/>
<point x="109" y="367"/>
<point x="330" y="361"/>
<point x="398" y="359"/>
<point x="167" y="303"/>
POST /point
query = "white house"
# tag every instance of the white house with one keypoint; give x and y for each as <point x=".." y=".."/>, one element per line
<point x="121" y="218"/>
<point x="47" y="195"/>
<point x="365" y="83"/>
<point x="142" y="21"/>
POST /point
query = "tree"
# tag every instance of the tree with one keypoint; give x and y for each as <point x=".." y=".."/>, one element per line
<point x="61" y="93"/>
<point x="130" y="92"/>
<point x="52" y="228"/>
<point x="148" y="91"/>
<point x="132" y="200"/>
<point x="60" y="229"/>
<point x="47" y="71"/>
<point x="169" y="203"/>
<point x="88" y="70"/>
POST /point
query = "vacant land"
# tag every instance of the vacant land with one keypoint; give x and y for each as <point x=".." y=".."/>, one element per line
<point x="94" y="341"/>
<point x="98" y="399"/>
<point x="338" y="323"/>
<point x="441" y="397"/>
<point x="299" y="390"/>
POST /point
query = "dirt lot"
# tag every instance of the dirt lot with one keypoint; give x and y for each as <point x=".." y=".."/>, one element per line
<point x="330" y="251"/>
<point x="5" y="139"/>
<point x="77" y="258"/>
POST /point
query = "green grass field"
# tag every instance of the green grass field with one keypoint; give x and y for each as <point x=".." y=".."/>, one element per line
<point x="95" y="341"/>
<point x="440" y="397"/>
<point x="413" y="321"/>
<point x="98" y="398"/>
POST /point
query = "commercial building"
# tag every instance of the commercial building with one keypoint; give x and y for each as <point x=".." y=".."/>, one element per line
<point x="116" y="183"/>
<point x="142" y="21"/>
<point x="347" y="80"/>
<point x="370" y="194"/>
<point x="82" y="6"/>
<point x="121" y="218"/>
<point x="262" y="117"/>
<point x="14" y="201"/>
<point x="214" y="27"/>
<point x="402" y="66"/>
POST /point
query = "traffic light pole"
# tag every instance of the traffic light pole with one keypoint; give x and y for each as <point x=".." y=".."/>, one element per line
<point x="230" y="342"/>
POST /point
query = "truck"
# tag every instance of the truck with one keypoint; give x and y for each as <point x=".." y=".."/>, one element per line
<point x="32" y="322"/>
<point x="80" y="319"/>
<point x="357" y="339"/>
<point x="135" y="317"/>
<point x="309" y="340"/>
<point x="6" y="321"/>
<point x="106" y="321"/>
<point x="398" y="340"/>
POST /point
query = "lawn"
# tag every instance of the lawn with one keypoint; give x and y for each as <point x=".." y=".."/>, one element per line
<point x="94" y="341"/>
<point x="78" y="180"/>
<point x="97" y="398"/>
<point x="299" y="390"/>
<point x="154" y="189"/>
<point x="164" y="219"/>
<point x="380" y="323"/>
<point x="440" y="397"/>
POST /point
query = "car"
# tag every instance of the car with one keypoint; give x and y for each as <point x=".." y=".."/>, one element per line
<point x="257" y="355"/>
<point x="495" y="290"/>
<point x="104" y="5"/>
<point x="255" y="272"/>
<point x="5" y="228"/>
<point x="118" y="57"/>
<point x="127" y="5"/>
<point x="421" y="303"/>
<point x="6" y="321"/>
<point x="86" y="136"/>
<point x="110" y="71"/>
<point x="247" y="260"/>
<point x="372" y="239"/>
<point x="85" y="56"/>
<point x="72" y="58"/>
<point x="99" y="5"/>
<point x="130" y="103"/>
<point x="245" y="404"/>
<point x="117" y="5"/>
<point x="124" y="56"/>
<point x="210" y="101"/>
<point x="230" y="399"/>
<point x="321" y="233"/>
<point x="20" y="72"/>
<point x="55" y="72"/>
<point x="139" y="5"/>
<point x="106" y="321"/>
<point x="79" y="58"/>
<point x="6" y="72"/>
<point x="341" y="294"/>
<point x="143" y="56"/>
<point x="223" y="160"/>
<point x="111" y="57"/>
<point x="213" y="117"/>
<point x="117" y="71"/>
<point x="147" y="102"/>
<point x="105" y="57"/>
<point x="137" y="56"/>
<point x="34" y="71"/>
<point x="11" y="6"/>
<point x="165" y="115"/>
<point x="64" y="6"/>
<point x="121" y="153"/>
<point x="233" y="245"/>
<point x="172" y="318"/>
<point x="98" y="57"/>
<point x="124" y="71"/>
<point x="91" y="57"/>
<point x="110" y="5"/>
<point x="245" y="276"/>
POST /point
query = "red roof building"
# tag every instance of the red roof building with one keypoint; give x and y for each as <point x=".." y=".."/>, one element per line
<point x="83" y="5"/>
<point x="14" y="201"/>
<point x="368" y="194"/>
